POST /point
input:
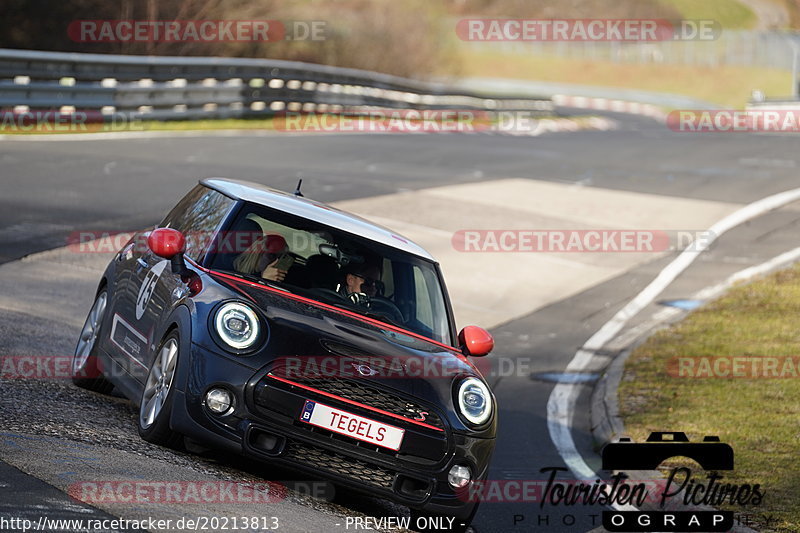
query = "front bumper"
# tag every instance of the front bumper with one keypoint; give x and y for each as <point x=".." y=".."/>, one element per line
<point x="265" y="425"/>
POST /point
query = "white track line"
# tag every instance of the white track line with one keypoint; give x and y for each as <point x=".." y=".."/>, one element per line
<point x="561" y="404"/>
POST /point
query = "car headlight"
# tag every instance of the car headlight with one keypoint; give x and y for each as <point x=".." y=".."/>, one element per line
<point x="237" y="325"/>
<point x="475" y="401"/>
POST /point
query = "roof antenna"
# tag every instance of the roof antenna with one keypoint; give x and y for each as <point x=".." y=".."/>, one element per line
<point x="297" y="190"/>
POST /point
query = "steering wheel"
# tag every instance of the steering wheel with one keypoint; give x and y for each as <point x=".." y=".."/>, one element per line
<point x="384" y="306"/>
<point x="326" y="293"/>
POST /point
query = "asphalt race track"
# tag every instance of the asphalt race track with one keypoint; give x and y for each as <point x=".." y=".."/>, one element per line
<point x="60" y="435"/>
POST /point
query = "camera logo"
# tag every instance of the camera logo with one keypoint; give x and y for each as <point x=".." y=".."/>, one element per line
<point x="710" y="453"/>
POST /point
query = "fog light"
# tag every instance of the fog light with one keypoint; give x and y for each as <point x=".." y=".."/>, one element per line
<point x="219" y="401"/>
<point x="459" y="476"/>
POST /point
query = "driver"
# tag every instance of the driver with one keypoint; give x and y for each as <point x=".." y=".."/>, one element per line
<point x="361" y="283"/>
<point x="363" y="286"/>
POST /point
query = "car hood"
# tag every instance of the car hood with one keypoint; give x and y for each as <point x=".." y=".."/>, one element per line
<point x="307" y="337"/>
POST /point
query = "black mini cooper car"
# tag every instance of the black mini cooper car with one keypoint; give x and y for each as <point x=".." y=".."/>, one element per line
<point x="270" y="325"/>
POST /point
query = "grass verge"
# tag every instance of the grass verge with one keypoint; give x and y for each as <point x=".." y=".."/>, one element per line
<point x="759" y="417"/>
<point x="224" y="124"/>
<point x="729" y="13"/>
<point x="726" y="86"/>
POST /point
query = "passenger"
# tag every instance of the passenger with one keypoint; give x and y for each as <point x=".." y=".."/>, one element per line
<point x="268" y="257"/>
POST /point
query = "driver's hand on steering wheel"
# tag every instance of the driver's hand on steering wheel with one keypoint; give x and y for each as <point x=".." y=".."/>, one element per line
<point x="359" y="298"/>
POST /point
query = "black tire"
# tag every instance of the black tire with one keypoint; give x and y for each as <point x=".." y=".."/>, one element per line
<point x="153" y="419"/>
<point x="85" y="372"/>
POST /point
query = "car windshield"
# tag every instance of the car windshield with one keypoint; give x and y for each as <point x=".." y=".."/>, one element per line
<point x="338" y="268"/>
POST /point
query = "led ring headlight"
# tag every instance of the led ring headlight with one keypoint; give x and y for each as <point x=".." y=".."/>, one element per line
<point x="237" y="325"/>
<point x="475" y="401"/>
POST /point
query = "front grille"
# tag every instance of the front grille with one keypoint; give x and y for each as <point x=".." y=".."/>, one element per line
<point x="361" y="392"/>
<point x="339" y="464"/>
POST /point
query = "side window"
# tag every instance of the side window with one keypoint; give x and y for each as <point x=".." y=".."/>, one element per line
<point x="429" y="307"/>
<point x="198" y="216"/>
<point x="424" y="309"/>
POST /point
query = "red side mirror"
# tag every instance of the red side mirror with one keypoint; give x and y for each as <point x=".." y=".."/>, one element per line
<point x="166" y="242"/>
<point x="475" y="341"/>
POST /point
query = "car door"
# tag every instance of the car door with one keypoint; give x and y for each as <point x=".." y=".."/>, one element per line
<point x="152" y="284"/>
<point x="129" y="335"/>
<point x="124" y="342"/>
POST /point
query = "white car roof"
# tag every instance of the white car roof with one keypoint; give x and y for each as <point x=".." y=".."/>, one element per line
<point x="313" y="210"/>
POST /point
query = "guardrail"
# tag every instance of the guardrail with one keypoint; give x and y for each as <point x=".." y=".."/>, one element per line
<point x="165" y="88"/>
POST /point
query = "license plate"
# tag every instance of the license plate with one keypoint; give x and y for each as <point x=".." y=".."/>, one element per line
<point x="355" y="426"/>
